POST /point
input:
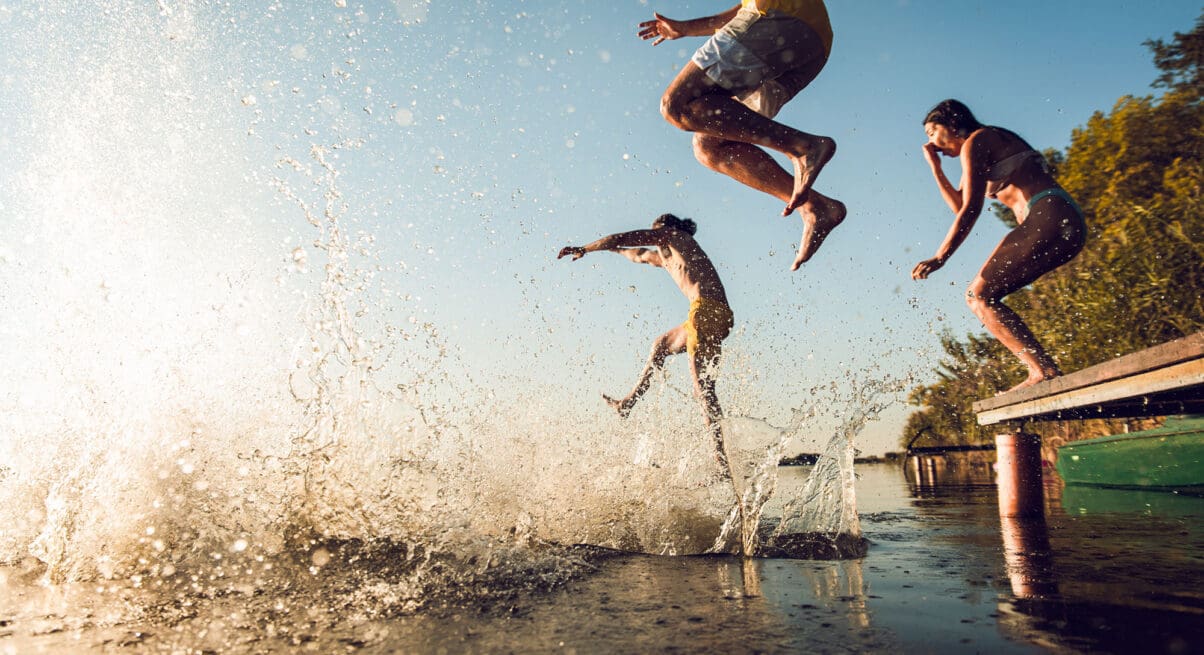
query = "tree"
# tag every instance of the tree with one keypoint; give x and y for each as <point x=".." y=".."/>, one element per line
<point x="1181" y="61"/>
<point x="1137" y="173"/>
<point x="971" y="368"/>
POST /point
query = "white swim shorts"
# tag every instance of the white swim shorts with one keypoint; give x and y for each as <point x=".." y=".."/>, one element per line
<point x="763" y="59"/>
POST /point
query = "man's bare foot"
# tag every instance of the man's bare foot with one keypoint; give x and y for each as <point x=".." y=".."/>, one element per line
<point x="807" y="168"/>
<point x="817" y="225"/>
<point x="620" y="406"/>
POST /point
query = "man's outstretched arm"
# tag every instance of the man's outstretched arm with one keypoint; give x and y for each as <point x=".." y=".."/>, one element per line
<point x="620" y="242"/>
<point x="663" y="29"/>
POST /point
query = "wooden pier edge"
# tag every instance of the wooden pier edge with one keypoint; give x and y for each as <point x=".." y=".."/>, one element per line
<point x="1167" y="378"/>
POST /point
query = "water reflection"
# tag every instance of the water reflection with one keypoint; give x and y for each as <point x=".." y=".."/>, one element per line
<point x="953" y="469"/>
<point x="1098" y="570"/>
<point x="1028" y="556"/>
<point x="738" y="578"/>
<point x="945" y="573"/>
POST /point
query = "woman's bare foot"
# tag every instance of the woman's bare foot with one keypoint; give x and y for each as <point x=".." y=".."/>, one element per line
<point x="806" y="168"/>
<point x="621" y="406"/>
<point x="820" y="216"/>
<point x="1033" y="378"/>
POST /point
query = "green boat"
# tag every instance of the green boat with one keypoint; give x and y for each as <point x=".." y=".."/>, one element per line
<point x="1169" y="458"/>
<point x="1084" y="500"/>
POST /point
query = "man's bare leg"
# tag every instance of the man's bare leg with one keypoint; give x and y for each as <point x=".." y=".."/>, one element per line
<point x="806" y="169"/>
<point x="672" y="342"/>
<point x="754" y="167"/>
<point x="695" y="104"/>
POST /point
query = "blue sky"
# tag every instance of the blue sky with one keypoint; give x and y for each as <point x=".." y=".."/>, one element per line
<point x="490" y="134"/>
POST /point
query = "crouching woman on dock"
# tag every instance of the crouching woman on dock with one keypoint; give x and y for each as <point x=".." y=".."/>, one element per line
<point x="998" y="164"/>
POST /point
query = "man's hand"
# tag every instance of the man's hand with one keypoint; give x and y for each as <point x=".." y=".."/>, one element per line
<point x="576" y="251"/>
<point x="661" y="29"/>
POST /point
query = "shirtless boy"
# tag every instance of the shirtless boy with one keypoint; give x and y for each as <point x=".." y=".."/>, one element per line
<point x="674" y="249"/>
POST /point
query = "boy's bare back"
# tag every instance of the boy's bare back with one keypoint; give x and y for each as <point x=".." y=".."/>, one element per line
<point x="689" y="266"/>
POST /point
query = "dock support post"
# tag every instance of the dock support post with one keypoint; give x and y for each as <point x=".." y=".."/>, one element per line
<point x="1018" y="458"/>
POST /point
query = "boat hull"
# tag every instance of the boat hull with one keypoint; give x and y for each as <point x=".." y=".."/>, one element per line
<point x="1169" y="458"/>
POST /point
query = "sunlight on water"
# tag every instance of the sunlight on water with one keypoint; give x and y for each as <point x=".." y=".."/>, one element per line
<point x="218" y="383"/>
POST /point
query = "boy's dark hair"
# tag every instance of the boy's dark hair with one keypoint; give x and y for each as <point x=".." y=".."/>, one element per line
<point x="954" y="115"/>
<point x="669" y="220"/>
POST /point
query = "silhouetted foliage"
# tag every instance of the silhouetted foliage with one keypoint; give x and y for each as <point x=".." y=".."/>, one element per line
<point x="1181" y="61"/>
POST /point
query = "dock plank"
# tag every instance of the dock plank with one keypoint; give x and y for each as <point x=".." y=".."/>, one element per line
<point x="1168" y="378"/>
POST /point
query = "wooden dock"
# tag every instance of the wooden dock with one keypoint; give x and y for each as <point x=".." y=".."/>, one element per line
<point x="1164" y="380"/>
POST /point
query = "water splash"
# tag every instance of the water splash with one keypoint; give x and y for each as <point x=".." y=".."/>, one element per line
<point x="221" y="387"/>
<point x="823" y="518"/>
<point x="819" y="523"/>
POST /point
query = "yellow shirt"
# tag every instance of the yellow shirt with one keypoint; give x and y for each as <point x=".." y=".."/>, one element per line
<point x="811" y="12"/>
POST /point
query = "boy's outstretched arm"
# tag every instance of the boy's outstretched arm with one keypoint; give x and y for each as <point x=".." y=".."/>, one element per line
<point x="617" y="242"/>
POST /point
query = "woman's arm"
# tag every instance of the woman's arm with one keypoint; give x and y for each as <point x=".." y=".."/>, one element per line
<point x="951" y="194"/>
<point x="974" y="187"/>
<point x="641" y="255"/>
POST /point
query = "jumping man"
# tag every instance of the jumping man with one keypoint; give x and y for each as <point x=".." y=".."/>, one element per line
<point x="760" y="55"/>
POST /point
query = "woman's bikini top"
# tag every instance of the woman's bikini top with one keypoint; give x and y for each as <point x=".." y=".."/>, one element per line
<point x="999" y="175"/>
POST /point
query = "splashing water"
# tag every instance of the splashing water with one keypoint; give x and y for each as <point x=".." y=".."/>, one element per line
<point x="822" y="521"/>
<point x="219" y="384"/>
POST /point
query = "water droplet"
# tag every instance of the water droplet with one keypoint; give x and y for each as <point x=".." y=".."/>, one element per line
<point x="320" y="557"/>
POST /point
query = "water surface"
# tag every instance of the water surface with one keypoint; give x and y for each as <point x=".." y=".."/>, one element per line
<point x="1104" y="572"/>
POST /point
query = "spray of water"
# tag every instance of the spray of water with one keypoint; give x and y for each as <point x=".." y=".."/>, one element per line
<point x="220" y="385"/>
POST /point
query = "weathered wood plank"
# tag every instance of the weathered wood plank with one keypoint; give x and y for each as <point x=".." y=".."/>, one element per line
<point x="1183" y="374"/>
<point x="1189" y="400"/>
<point x="1172" y="352"/>
<point x="1143" y="383"/>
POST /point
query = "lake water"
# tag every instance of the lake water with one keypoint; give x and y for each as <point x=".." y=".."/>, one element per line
<point x="1104" y="571"/>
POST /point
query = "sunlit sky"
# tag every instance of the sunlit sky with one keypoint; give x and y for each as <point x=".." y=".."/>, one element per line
<point x="494" y="133"/>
